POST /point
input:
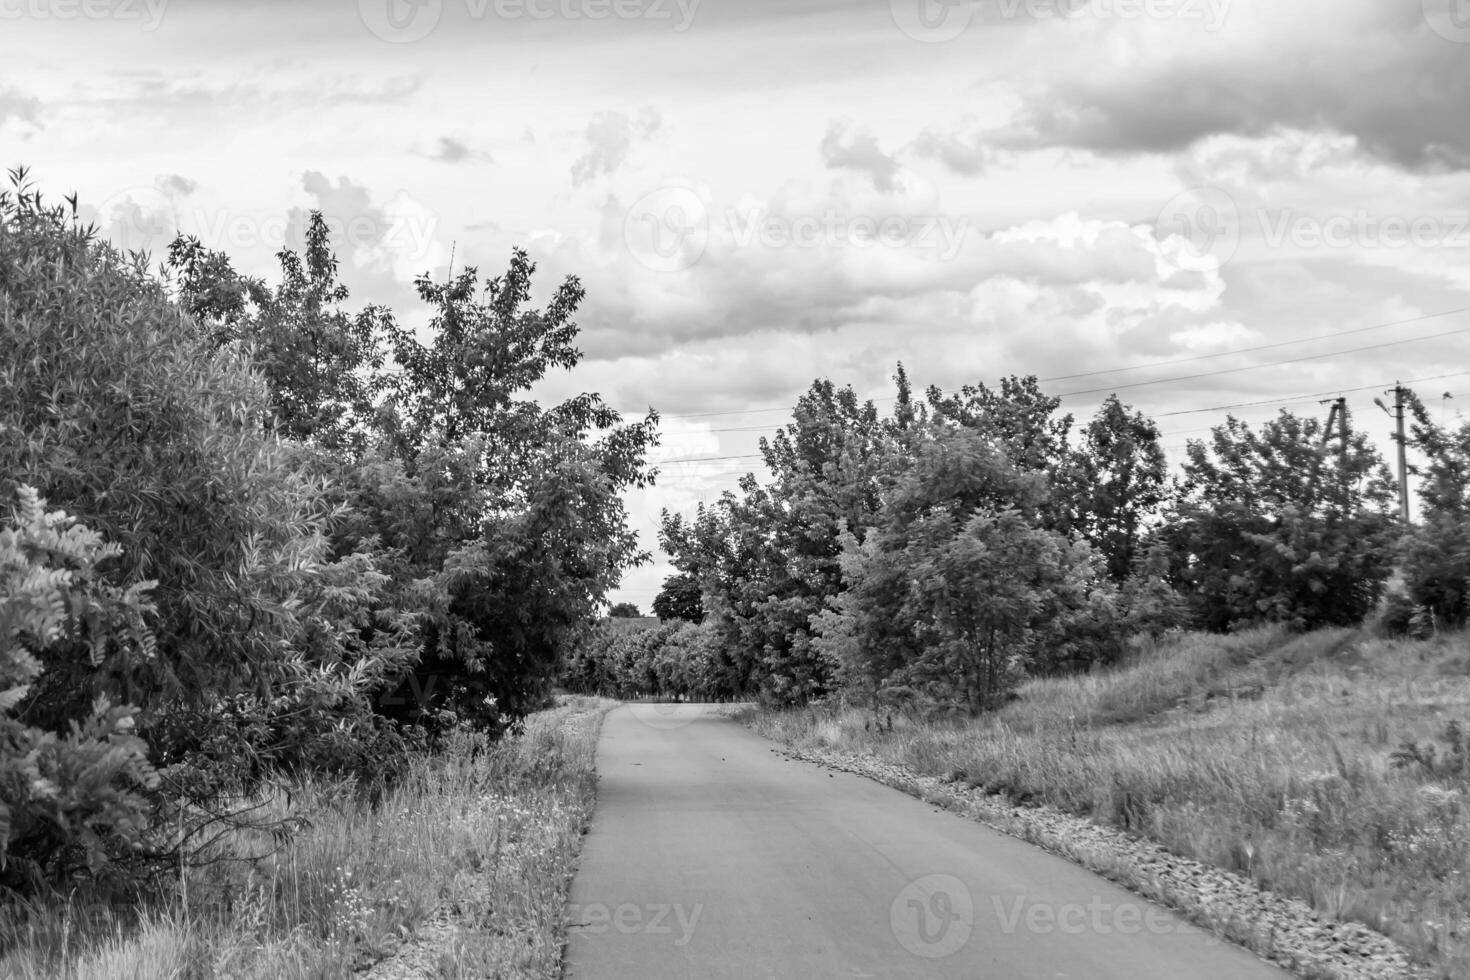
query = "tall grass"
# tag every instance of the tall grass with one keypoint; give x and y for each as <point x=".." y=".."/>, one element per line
<point x="1269" y="756"/>
<point x="479" y="841"/>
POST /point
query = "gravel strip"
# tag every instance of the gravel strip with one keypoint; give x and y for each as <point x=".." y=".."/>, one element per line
<point x="1284" y="930"/>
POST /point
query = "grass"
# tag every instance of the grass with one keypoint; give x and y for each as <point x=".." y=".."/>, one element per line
<point x="1279" y="758"/>
<point x="477" y="847"/>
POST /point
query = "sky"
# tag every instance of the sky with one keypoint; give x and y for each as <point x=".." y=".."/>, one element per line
<point x="1205" y="206"/>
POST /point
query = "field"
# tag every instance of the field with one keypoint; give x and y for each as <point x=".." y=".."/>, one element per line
<point x="1332" y="767"/>
<point x="461" y="871"/>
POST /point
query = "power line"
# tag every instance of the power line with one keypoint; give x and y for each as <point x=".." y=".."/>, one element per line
<point x="1163" y="363"/>
<point x="1258" y="367"/>
<point x="1288" y="400"/>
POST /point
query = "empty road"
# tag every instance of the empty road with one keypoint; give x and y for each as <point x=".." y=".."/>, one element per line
<point x="711" y="856"/>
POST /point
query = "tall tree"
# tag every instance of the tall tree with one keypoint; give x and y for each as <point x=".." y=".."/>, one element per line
<point x="1115" y="483"/>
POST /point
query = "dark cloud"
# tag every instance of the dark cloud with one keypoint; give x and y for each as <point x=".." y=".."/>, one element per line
<point x="451" y="151"/>
<point x="1374" y="71"/>
<point x="843" y="149"/>
<point x="964" y="154"/>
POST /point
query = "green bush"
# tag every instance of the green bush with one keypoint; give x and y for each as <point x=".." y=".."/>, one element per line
<point x="73" y="798"/>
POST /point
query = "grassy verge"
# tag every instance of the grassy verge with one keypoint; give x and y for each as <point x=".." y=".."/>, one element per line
<point x="1269" y="756"/>
<point x="476" y="848"/>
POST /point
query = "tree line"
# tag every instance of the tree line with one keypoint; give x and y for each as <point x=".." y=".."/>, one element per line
<point x="944" y="551"/>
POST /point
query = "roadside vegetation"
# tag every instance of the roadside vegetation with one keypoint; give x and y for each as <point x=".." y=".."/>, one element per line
<point x="475" y="847"/>
<point x="281" y="583"/>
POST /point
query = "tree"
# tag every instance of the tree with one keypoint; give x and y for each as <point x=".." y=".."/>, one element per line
<point x="324" y="367"/>
<point x="1436" y="551"/>
<point x="949" y="595"/>
<point x="624" y="610"/>
<point x="117" y="409"/>
<point x="1274" y="525"/>
<point x="679" y="598"/>
<point x="1115" y="483"/>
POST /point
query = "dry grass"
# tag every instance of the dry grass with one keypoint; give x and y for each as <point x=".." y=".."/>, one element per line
<point x="1265" y="755"/>
<point x="490" y="831"/>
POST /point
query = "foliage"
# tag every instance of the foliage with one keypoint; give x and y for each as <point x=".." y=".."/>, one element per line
<point x="624" y="610"/>
<point x="679" y="598"/>
<point x="674" y="660"/>
<point x="75" y="798"/>
<point x="1115" y="483"/>
<point x="1275" y="525"/>
<point x="1436" y="551"/>
<point x="116" y="409"/>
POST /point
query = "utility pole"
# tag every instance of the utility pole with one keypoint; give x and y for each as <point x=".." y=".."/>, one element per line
<point x="1398" y="411"/>
<point x="1399" y="437"/>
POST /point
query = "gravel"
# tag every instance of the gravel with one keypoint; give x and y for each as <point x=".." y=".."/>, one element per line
<point x="1284" y="930"/>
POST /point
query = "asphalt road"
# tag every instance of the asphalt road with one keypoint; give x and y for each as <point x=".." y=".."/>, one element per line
<point x="711" y="856"/>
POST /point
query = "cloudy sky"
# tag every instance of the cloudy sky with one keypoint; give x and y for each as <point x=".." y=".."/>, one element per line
<point x="1204" y="205"/>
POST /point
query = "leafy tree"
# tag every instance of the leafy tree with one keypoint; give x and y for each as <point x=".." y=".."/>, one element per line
<point x="679" y="598"/>
<point x="1275" y="525"/>
<point x="952" y="592"/>
<point x="324" y="367"/>
<point x="1115" y="483"/>
<point x="768" y="560"/>
<point x="624" y="610"/>
<point x="1436" y="551"/>
<point x="117" y="409"/>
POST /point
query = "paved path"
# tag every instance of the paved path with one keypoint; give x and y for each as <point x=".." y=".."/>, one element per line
<point x="711" y="856"/>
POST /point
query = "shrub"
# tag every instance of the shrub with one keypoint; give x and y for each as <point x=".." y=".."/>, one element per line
<point x="75" y="796"/>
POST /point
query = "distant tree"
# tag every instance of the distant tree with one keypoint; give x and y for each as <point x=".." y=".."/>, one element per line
<point x="624" y="610"/>
<point x="679" y="598"/>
